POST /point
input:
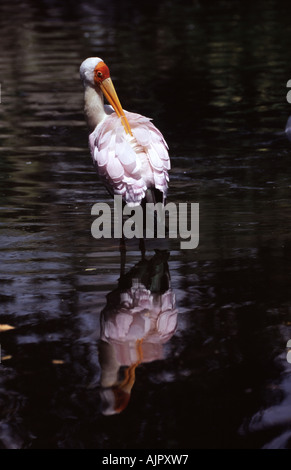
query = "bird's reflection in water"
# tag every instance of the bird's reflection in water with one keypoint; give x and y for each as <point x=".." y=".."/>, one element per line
<point x="139" y="317"/>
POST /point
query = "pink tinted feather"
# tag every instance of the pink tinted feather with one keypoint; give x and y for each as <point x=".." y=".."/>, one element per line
<point x="142" y="135"/>
<point x="155" y="159"/>
<point x="118" y="156"/>
<point x="115" y="169"/>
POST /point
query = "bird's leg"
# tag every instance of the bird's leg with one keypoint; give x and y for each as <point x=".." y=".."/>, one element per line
<point x="122" y="249"/>
<point x="142" y="248"/>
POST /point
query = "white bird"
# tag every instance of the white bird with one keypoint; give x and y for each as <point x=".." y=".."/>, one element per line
<point x="130" y="153"/>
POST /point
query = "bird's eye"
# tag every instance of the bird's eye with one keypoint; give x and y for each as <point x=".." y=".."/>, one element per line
<point x="101" y="72"/>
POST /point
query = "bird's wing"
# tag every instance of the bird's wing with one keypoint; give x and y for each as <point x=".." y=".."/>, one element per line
<point x="116" y="155"/>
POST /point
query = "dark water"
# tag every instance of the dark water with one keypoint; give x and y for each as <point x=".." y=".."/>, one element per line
<point x="213" y="77"/>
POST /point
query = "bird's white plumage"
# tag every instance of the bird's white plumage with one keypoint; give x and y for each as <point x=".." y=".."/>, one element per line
<point x="87" y="69"/>
<point x="129" y="165"/>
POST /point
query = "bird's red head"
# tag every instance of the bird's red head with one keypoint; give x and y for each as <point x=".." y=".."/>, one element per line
<point x="101" y="72"/>
<point x="103" y="81"/>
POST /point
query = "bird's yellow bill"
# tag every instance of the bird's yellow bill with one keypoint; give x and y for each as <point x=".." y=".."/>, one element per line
<point x="109" y="92"/>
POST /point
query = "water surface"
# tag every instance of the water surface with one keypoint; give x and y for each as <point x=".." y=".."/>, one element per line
<point x="213" y="78"/>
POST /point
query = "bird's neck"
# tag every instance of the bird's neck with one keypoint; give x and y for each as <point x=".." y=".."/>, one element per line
<point x="93" y="106"/>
